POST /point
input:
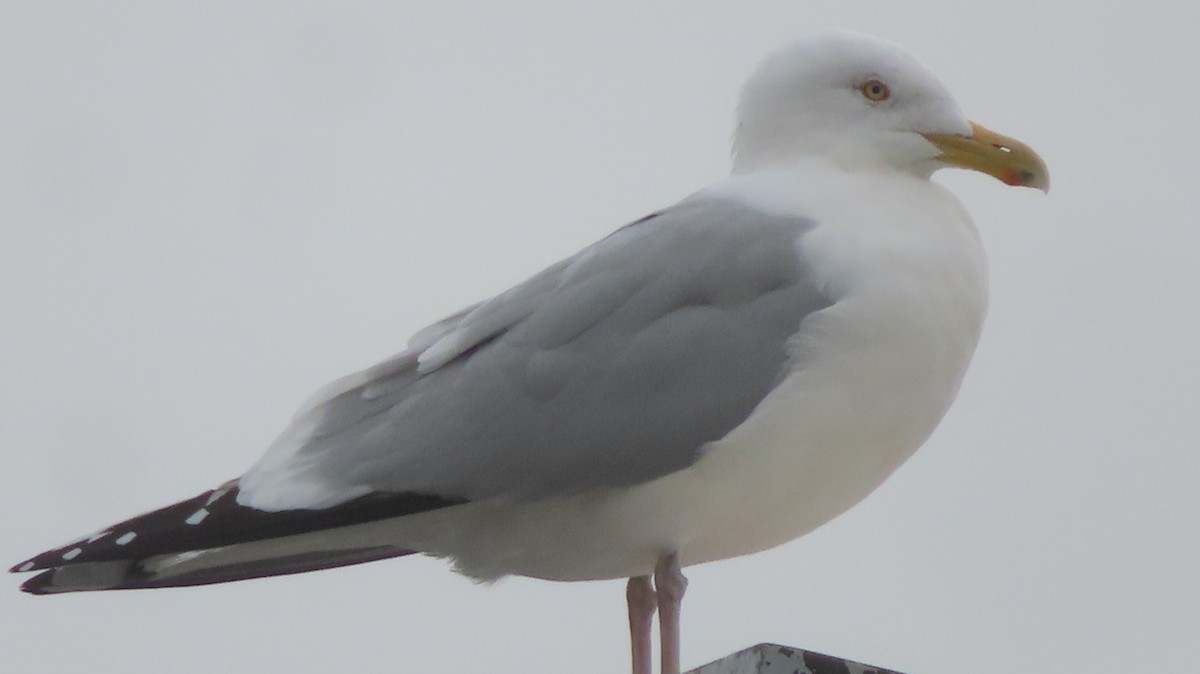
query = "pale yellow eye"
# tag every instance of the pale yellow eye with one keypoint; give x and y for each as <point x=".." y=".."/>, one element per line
<point x="875" y="90"/>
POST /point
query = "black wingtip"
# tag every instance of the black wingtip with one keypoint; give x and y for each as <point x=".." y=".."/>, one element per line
<point x="46" y="560"/>
<point x="131" y="575"/>
<point x="215" y="519"/>
<point x="127" y="540"/>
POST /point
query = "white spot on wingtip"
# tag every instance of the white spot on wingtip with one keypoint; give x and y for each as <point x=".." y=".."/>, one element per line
<point x="197" y="517"/>
<point x="213" y="497"/>
<point x="25" y="567"/>
<point x="72" y="553"/>
<point x="125" y="538"/>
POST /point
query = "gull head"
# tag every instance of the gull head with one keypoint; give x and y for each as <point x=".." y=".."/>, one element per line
<point x="862" y="104"/>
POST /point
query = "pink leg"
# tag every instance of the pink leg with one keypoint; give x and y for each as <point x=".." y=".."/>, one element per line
<point x="642" y="604"/>
<point x="670" y="584"/>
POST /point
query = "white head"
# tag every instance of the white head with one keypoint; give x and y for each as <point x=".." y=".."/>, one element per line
<point x="863" y="104"/>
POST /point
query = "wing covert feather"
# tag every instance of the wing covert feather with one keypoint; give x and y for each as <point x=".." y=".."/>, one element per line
<point x="611" y="368"/>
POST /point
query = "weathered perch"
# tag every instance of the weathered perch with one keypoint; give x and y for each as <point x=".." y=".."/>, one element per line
<point x="776" y="659"/>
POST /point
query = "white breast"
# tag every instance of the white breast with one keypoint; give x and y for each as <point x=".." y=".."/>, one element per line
<point x="872" y="375"/>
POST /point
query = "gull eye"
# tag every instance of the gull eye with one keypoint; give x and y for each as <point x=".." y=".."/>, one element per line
<point x="875" y="90"/>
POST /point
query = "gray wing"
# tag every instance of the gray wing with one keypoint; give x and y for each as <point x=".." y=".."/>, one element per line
<point x="613" y="367"/>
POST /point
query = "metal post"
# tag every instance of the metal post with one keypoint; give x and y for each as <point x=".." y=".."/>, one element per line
<point x="776" y="659"/>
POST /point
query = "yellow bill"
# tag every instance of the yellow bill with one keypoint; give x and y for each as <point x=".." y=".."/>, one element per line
<point x="1007" y="159"/>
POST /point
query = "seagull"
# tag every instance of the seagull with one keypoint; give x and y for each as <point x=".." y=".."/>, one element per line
<point x="715" y="379"/>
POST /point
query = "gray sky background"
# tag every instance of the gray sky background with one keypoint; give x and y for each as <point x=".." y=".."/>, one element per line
<point x="207" y="210"/>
